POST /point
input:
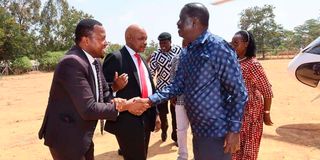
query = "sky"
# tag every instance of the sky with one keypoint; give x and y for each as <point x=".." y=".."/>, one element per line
<point x="158" y="16"/>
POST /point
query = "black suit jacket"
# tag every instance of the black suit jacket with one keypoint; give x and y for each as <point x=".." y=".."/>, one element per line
<point x="122" y="62"/>
<point x="72" y="112"/>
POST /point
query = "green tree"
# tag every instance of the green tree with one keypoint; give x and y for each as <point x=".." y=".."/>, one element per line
<point x="27" y="29"/>
<point x="14" y="42"/>
<point x="21" y="65"/>
<point x="307" y="32"/>
<point x="58" y="23"/>
<point x="288" y="40"/>
<point x="26" y="13"/>
<point x="49" y="60"/>
<point x="113" y="47"/>
<point x="151" y="47"/>
<point x="67" y="24"/>
<point x="48" y="23"/>
<point x="260" y="21"/>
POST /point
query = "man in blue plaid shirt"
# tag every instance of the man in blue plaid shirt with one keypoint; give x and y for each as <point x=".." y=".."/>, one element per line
<point x="210" y="78"/>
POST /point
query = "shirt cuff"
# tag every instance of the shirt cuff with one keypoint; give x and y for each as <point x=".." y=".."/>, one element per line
<point x="235" y="126"/>
<point x="115" y="107"/>
<point x="154" y="99"/>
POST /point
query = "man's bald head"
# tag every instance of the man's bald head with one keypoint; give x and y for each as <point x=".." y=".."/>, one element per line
<point x="136" y="38"/>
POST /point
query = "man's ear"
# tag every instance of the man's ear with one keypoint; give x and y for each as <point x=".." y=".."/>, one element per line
<point x="85" y="40"/>
<point x="195" y="22"/>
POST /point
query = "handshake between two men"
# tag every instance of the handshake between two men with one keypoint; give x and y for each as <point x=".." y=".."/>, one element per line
<point x="135" y="106"/>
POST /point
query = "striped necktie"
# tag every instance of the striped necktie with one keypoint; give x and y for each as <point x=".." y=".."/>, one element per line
<point x="96" y="66"/>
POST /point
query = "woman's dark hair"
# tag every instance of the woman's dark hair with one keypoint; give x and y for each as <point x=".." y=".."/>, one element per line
<point x="199" y="11"/>
<point x="85" y="28"/>
<point x="248" y="37"/>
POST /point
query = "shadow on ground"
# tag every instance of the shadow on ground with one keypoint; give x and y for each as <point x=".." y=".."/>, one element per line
<point x="306" y="134"/>
<point x="157" y="148"/>
<point x="154" y="149"/>
<point x="108" y="155"/>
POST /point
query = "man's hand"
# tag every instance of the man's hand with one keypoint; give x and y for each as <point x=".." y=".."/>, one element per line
<point x="136" y="106"/>
<point x="120" y="104"/>
<point x="119" y="82"/>
<point x="232" y="142"/>
<point x="144" y="100"/>
<point x="158" y="124"/>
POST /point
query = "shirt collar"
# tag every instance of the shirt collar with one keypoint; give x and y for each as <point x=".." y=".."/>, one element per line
<point x="90" y="58"/>
<point x="131" y="51"/>
<point x="201" y="39"/>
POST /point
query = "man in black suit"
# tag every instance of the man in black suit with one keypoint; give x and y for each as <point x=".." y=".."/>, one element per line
<point x="132" y="132"/>
<point x="79" y="96"/>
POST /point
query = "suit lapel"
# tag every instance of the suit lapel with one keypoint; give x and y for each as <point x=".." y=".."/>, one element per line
<point x="90" y="75"/>
<point x="131" y="65"/>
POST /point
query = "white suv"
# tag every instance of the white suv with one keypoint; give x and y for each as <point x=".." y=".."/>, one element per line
<point x="306" y="65"/>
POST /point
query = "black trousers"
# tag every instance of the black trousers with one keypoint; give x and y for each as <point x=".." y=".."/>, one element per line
<point x="60" y="155"/>
<point x="134" y="144"/>
<point x="163" y="111"/>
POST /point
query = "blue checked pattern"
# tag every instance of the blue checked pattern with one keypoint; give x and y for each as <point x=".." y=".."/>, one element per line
<point x="209" y="76"/>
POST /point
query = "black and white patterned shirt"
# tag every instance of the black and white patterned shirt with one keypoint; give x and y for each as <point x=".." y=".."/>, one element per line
<point x="174" y="68"/>
<point x="160" y="65"/>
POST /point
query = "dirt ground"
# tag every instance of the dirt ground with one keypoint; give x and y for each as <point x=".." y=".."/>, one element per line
<point x="295" y="134"/>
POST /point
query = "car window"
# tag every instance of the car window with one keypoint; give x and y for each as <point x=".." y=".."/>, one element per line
<point x="309" y="74"/>
<point x="313" y="47"/>
<point x="315" y="50"/>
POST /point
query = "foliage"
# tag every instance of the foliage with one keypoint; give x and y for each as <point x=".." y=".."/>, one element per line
<point x="260" y="21"/>
<point x="58" y="23"/>
<point x="31" y="28"/>
<point x="21" y="65"/>
<point x="13" y="42"/>
<point x="152" y="46"/>
<point x="307" y="32"/>
<point x="25" y="12"/>
<point x="28" y="28"/>
<point x="273" y="37"/>
<point x="67" y="26"/>
<point x="50" y="60"/>
<point x="113" y="47"/>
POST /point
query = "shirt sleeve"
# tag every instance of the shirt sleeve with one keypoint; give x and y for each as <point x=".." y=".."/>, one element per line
<point x="232" y="81"/>
<point x="175" y="88"/>
<point x="260" y="80"/>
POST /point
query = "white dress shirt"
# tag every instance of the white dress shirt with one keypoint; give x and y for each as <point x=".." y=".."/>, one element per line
<point x="132" y="52"/>
<point x="91" y="60"/>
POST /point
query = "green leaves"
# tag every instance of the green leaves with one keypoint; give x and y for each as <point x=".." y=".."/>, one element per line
<point x="270" y="36"/>
<point x="21" y="65"/>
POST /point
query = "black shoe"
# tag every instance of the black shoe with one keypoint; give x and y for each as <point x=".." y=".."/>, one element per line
<point x="164" y="136"/>
<point x="120" y="152"/>
<point x="176" y="144"/>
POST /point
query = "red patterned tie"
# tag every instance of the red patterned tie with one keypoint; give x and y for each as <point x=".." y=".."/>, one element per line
<point x="144" y="88"/>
